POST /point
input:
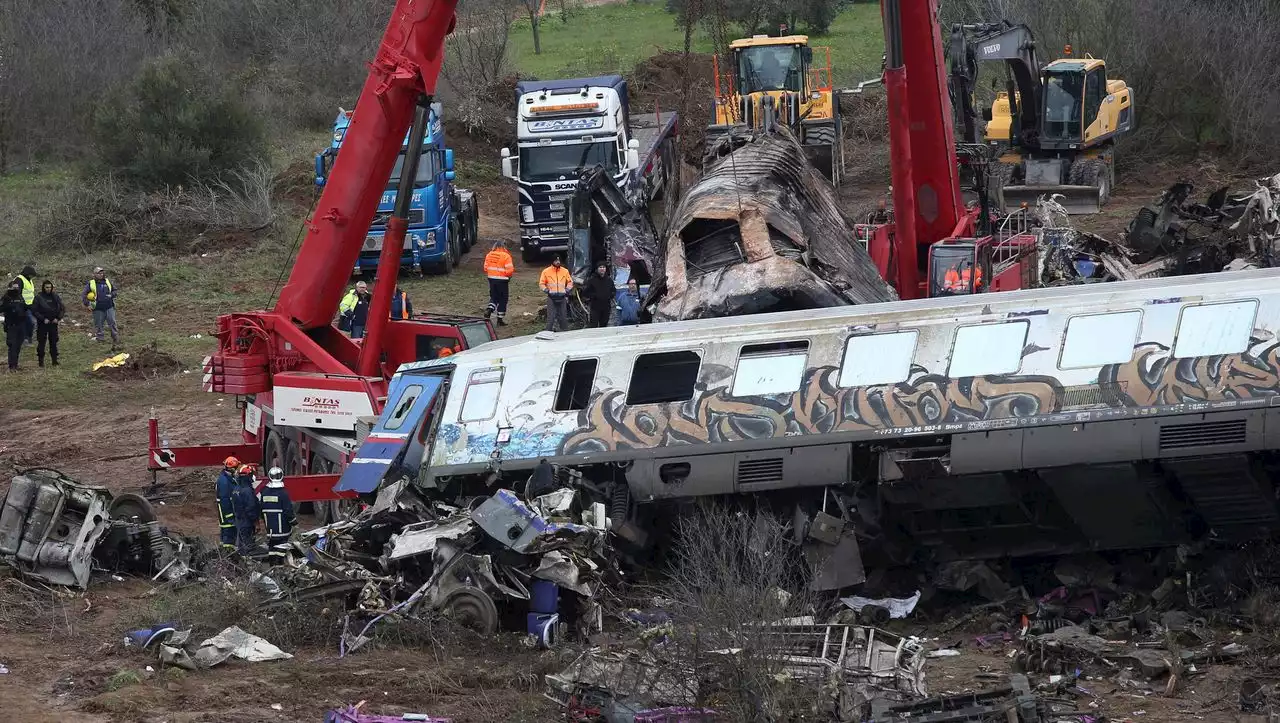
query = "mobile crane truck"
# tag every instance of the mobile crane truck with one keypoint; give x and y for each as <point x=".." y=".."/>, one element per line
<point x="564" y="127"/>
<point x="443" y="219"/>
<point x="307" y="392"/>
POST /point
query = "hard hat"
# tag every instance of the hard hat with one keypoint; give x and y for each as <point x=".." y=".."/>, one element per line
<point x="230" y="462"/>
<point x="275" y="474"/>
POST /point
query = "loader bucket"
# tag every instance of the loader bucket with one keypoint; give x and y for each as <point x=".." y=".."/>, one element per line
<point x="1077" y="200"/>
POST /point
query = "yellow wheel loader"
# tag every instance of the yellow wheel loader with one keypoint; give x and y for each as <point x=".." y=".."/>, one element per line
<point x="1053" y="129"/>
<point x="771" y="81"/>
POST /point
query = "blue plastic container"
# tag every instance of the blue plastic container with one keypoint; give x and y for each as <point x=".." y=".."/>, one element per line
<point x="544" y="597"/>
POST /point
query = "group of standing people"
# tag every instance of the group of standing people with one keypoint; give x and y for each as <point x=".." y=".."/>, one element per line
<point x="240" y="507"/>
<point x="599" y="291"/>
<point x="31" y="316"/>
<point x="353" y="311"/>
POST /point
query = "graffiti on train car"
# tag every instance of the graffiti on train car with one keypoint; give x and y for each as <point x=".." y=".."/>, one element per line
<point x="1154" y="378"/>
<point x="820" y="406"/>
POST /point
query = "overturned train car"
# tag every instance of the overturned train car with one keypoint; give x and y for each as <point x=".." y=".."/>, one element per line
<point x="1126" y="415"/>
<point x="760" y="231"/>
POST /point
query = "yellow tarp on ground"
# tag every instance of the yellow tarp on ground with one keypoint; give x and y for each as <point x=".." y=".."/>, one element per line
<point x="114" y="361"/>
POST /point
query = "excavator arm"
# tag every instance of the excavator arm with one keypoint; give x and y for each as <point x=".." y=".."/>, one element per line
<point x="1016" y="46"/>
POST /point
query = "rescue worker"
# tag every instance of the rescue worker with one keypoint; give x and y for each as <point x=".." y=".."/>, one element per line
<point x="600" y="291"/>
<point x="14" y="310"/>
<point x="48" y="311"/>
<point x="100" y="296"/>
<point x="498" y="268"/>
<point x="556" y="283"/>
<point x="401" y="305"/>
<point x="629" y="304"/>
<point x="348" y="305"/>
<point x="244" y="503"/>
<point x="277" y="515"/>
<point x="226" y="511"/>
<point x="957" y="278"/>
<point x="27" y="280"/>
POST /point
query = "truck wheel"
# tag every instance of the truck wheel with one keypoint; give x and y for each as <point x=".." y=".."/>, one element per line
<point x="455" y="242"/>
<point x="273" y="449"/>
<point x="294" y="465"/>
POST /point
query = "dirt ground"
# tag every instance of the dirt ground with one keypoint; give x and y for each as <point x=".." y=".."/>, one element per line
<point x="60" y="666"/>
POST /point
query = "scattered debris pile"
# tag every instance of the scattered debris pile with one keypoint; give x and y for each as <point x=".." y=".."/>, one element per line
<point x="852" y="668"/>
<point x="56" y="530"/>
<point x="408" y="556"/>
<point x="177" y="647"/>
<point x="1172" y="237"/>
<point x="606" y="225"/>
<point x="759" y="232"/>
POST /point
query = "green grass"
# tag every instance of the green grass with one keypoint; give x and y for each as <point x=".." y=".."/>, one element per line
<point x="614" y="38"/>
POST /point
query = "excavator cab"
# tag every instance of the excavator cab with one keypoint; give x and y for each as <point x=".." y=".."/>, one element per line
<point x="772" y="81"/>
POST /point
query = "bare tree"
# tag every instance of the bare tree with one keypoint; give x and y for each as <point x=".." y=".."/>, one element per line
<point x="478" y="60"/>
<point x="535" y="19"/>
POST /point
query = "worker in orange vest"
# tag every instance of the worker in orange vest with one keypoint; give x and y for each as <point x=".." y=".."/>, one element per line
<point x="401" y="305"/>
<point x="499" y="269"/>
<point x="956" y="280"/>
<point x="556" y="283"/>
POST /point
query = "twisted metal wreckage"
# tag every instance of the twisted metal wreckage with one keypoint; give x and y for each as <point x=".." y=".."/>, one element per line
<point x="1174" y="236"/>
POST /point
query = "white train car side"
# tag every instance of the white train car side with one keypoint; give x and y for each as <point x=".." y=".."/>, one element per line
<point x="1100" y="416"/>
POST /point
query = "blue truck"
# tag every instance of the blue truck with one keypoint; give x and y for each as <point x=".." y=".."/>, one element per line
<point x="564" y="127"/>
<point x="443" y="219"/>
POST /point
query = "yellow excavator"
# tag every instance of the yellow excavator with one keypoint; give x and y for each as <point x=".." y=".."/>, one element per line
<point x="1054" y="127"/>
<point x="771" y="81"/>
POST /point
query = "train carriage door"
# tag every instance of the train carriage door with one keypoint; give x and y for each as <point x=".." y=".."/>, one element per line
<point x="394" y="447"/>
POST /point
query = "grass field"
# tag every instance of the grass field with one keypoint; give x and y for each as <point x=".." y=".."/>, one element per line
<point x="613" y="38"/>
<point x="172" y="300"/>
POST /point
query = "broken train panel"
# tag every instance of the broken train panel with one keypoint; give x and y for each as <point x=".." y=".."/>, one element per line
<point x="1104" y="416"/>
<point x="761" y="231"/>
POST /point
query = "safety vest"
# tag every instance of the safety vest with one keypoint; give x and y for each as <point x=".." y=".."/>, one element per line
<point x="498" y="265"/>
<point x="348" y="302"/>
<point x="956" y="280"/>
<point x="556" y="281"/>
<point x="93" y="288"/>
<point x="28" y="290"/>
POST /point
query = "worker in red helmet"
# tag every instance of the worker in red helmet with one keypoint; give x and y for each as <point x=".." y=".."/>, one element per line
<point x="226" y="513"/>
<point x="244" y="502"/>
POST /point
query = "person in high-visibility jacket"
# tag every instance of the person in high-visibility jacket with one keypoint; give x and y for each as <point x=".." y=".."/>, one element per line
<point x="957" y="280"/>
<point x="347" y="307"/>
<point x="226" y="512"/>
<point x="498" y="268"/>
<point x="556" y="283"/>
<point x="278" y="516"/>
<point x="27" y="280"/>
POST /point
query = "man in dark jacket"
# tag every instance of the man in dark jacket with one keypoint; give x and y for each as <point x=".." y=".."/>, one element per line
<point x="48" y="310"/>
<point x="360" y="312"/>
<point x="599" y="293"/>
<point x="244" y="501"/>
<point x="27" y="284"/>
<point x="401" y="305"/>
<point x="629" y="304"/>
<point x="14" y="310"/>
<point x="278" y="516"/>
<point x="100" y="297"/>
<point x="225" y="486"/>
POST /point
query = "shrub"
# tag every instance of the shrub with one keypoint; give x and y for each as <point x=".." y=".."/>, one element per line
<point x="174" y="124"/>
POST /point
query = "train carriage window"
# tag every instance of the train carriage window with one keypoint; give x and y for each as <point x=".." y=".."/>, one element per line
<point x="988" y="349"/>
<point x="401" y="410"/>
<point x="873" y="359"/>
<point x="1211" y="329"/>
<point x="576" y="381"/>
<point x="663" y="377"/>
<point x="480" y="399"/>
<point x="770" y="368"/>
<point x="1098" y="339"/>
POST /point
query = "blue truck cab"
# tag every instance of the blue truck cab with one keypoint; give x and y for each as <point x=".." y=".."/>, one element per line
<point x="443" y="219"/>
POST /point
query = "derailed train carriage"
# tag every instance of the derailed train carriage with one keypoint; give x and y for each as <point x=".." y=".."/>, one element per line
<point x="1125" y="415"/>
